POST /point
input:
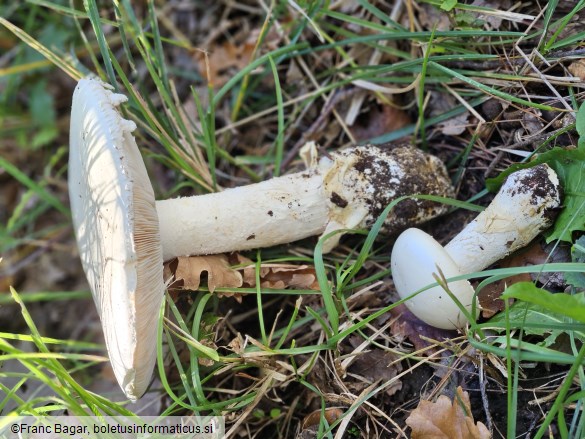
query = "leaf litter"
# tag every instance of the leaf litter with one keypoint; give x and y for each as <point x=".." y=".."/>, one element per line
<point x="446" y="419"/>
<point x="234" y="271"/>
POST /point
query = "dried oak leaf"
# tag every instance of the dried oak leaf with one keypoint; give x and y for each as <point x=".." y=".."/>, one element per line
<point x="278" y="276"/>
<point x="185" y="273"/>
<point x="224" y="58"/>
<point x="188" y="270"/>
<point x="446" y="420"/>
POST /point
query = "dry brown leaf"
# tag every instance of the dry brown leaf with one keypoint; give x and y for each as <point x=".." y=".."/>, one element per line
<point x="432" y="17"/>
<point x="489" y="296"/>
<point x="446" y="420"/>
<point x="534" y="254"/>
<point x="379" y="121"/>
<point x="374" y="365"/>
<point x="289" y="276"/>
<point x="332" y="414"/>
<point x="237" y="344"/>
<point x="223" y="58"/>
<point x="187" y="272"/>
<point x="577" y="68"/>
<point x="408" y="326"/>
<point x="279" y="276"/>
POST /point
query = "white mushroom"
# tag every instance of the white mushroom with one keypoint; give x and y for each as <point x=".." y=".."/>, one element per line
<point x="345" y="191"/>
<point x="526" y="205"/>
<point x="124" y="235"/>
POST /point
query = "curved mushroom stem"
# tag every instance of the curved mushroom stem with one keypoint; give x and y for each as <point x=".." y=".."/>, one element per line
<point x="526" y="204"/>
<point x="347" y="190"/>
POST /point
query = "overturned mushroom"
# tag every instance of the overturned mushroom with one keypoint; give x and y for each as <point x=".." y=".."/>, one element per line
<point x="124" y="235"/>
<point x="526" y="205"/>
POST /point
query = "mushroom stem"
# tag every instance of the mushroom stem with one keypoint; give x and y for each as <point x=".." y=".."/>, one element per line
<point x="276" y="211"/>
<point x="347" y="190"/>
<point x="525" y="206"/>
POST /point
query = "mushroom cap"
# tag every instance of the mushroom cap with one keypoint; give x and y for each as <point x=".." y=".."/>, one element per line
<point x="415" y="257"/>
<point x="116" y="227"/>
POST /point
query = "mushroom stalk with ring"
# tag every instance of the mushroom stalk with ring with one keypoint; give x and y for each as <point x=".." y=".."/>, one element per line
<point x="123" y="235"/>
<point x="526" y="204"/>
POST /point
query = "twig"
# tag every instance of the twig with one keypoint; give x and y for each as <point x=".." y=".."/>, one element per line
<point x="536" y="138"/>
<point x="484" y="398"/>
<point x="542" y="77"/>
<point x="498" y="63"/>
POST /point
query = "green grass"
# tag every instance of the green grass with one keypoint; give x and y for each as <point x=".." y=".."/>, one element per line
<point x="205" y="147"/>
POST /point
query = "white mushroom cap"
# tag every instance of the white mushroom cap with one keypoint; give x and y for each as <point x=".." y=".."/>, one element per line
<point x="415" y="257"/>
<point x="116" y="227"/>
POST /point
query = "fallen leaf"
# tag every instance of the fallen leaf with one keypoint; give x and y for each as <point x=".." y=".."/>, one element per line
<point x="379" y="121"/>
<point x="237" y="345"/>
<point x="489" y="296"/>
<point x="288" y="276"/>
<point x="534" y="254"/>
<point x="431" y="17"/>
<point x="224" y="59"/>
<point x="187" y="272"/>
<point x="446" y="420"/>
<point x="455" y="125"/>
<point x="278" y="276"/>
<point x="375" y="365"/>
<point x="407" y="326"/>
<point x="577" y="68"/>
<point x="441" y="103"/>
<point x="331" y="414"/>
